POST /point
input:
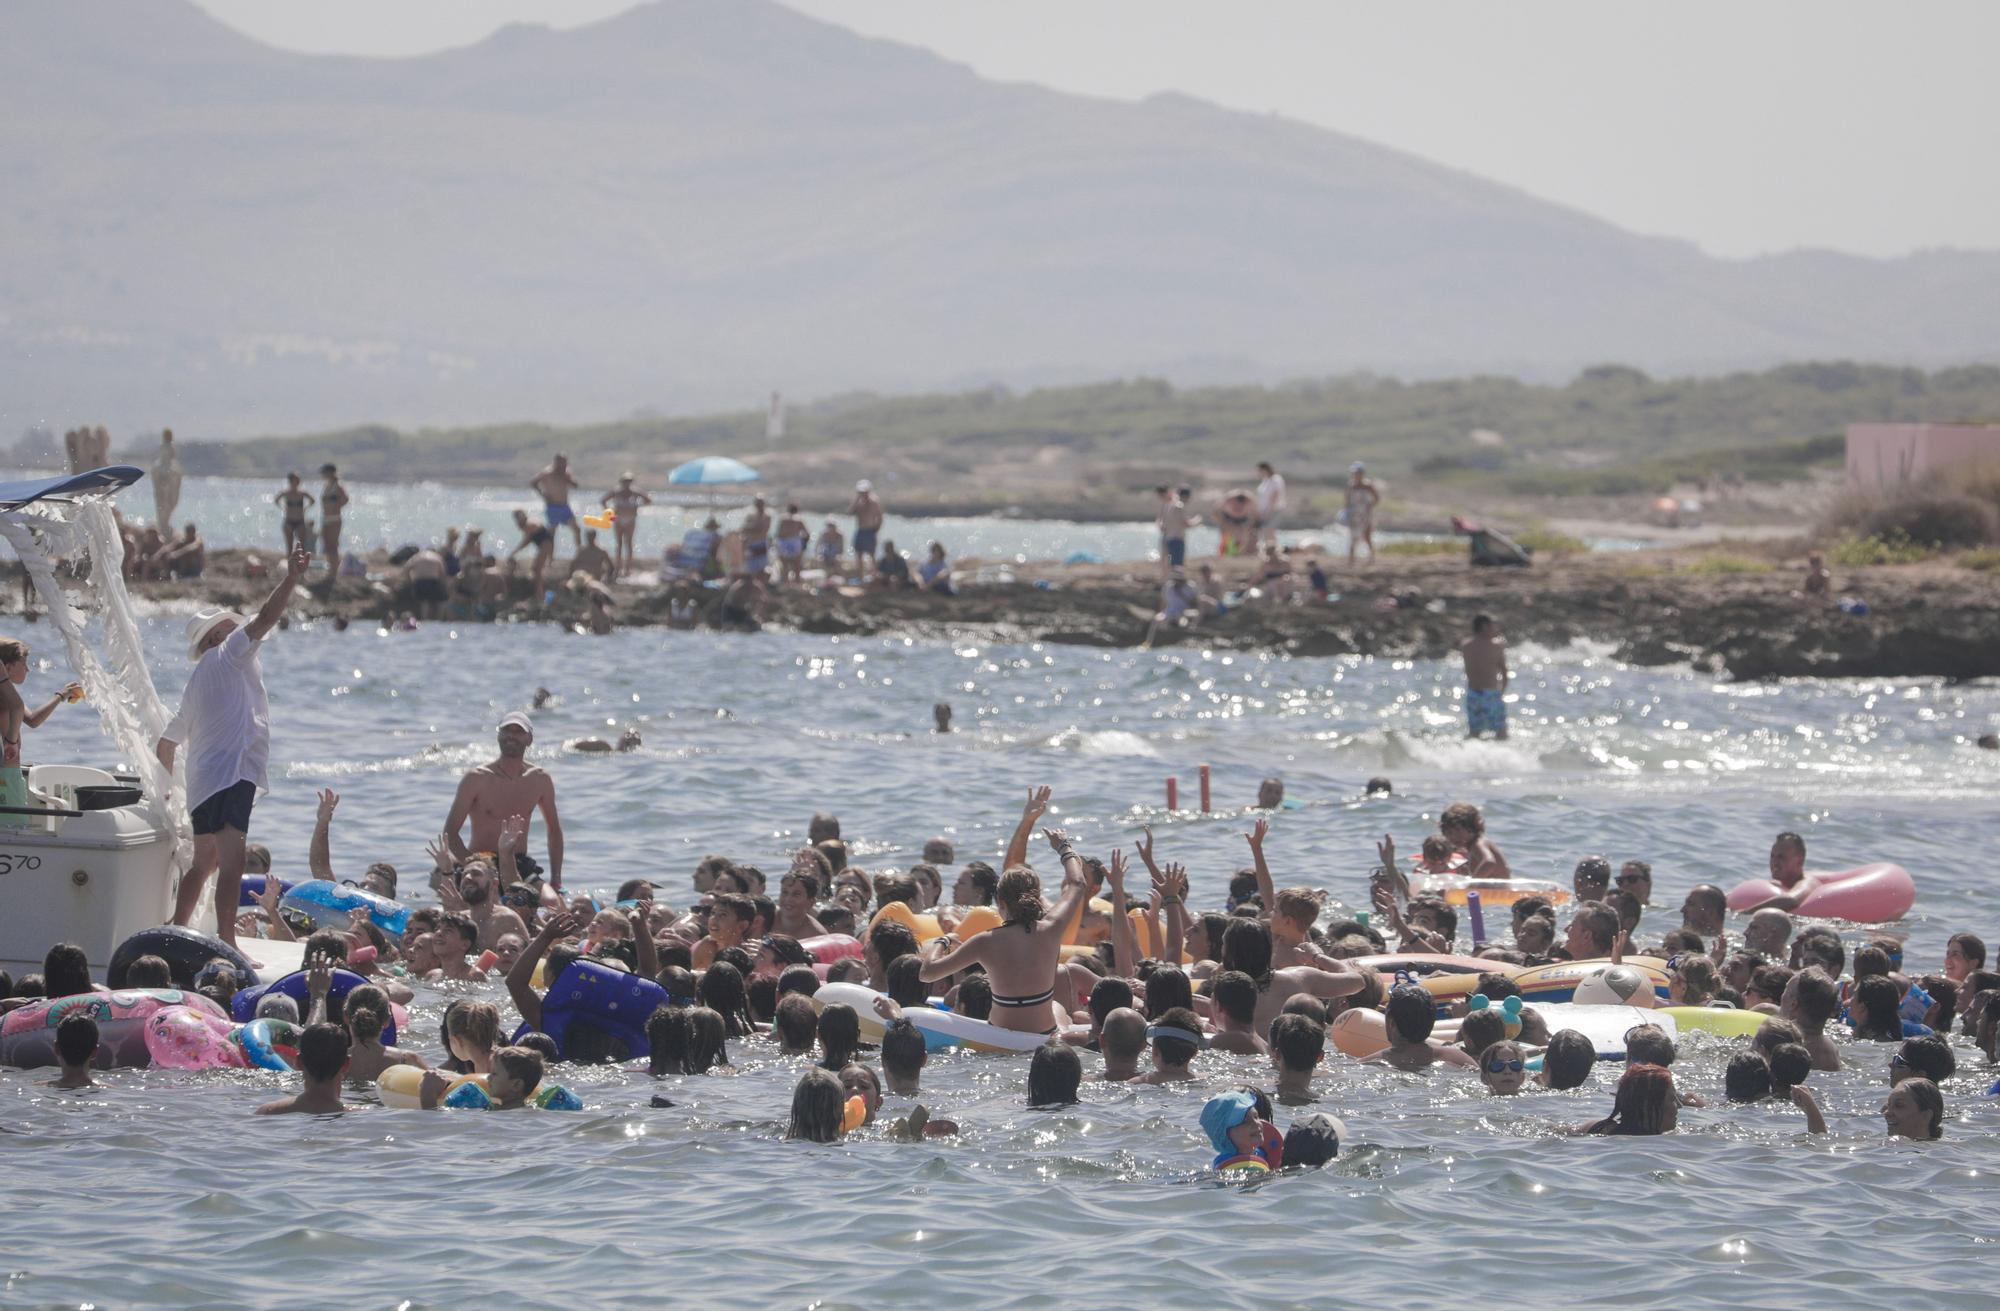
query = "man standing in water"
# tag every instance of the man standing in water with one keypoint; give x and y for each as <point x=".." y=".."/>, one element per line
<point x="1270" y="503"/>
<point x="553" y="485"/>
<point x="225" y="720"/>
<point x="166" y="476"/>
<point x="1486" y="679"/>
<point x="868" y="514"/>
<point x="504" y="789"/>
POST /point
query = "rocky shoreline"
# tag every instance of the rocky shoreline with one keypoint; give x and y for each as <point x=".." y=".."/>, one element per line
<point x="1650" y="608"/>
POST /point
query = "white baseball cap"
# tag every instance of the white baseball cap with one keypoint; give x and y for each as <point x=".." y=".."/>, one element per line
<point x="204" y="623"/>
<point x="518" y="719"/>
<point x="864" y="486"/>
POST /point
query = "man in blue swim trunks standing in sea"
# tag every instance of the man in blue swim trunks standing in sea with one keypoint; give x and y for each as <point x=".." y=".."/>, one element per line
<point x="554" y="484"/>
<point x="1485" y="679"/>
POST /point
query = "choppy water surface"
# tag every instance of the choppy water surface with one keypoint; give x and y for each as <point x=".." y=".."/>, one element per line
<point x="162" y="1191"/>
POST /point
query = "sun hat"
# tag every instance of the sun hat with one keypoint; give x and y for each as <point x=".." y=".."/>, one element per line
<point x="204" y="623"/>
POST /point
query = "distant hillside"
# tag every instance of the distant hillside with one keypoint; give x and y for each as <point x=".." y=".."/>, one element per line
<point x="700" y="200"/>
<point x="1612" y="430"/>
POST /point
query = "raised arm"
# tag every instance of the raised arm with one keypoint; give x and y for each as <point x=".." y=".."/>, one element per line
<point x="1074" y="885"/>
<point x="1803" y="1099"/>
<point x="1174" y="898"/>
<point x="520" y="979"/>
<point x="1124" y="960"/>
<point x="642" y="941"/>
<point x="1267" y="892"/>
<point x="1031" y="814"/>
<point x="274" y="605"/>
<point x="949" y="956"/>
<point x="320" y="858"/>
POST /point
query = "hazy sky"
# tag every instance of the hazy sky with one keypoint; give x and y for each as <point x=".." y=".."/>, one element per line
<point x="1745" y="126"/>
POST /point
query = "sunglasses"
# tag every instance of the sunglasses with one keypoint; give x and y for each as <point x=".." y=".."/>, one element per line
<point x="1895" y="1059"/>
<point x="1501" y="1067"/>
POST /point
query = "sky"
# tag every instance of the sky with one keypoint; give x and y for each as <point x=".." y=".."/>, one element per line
<point x="1744" y="126"/>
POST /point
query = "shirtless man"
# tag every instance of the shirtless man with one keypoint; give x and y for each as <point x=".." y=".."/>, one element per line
<point x="793" y="538"/>
<point x="553" y="485"/>
<point x="499" y="791"/>
<point x="1022" y="954"/>
<point x="757" y="538"/>
<point x="795" y="903"/>
<point x="624" y="502"/>
<point x="1817" y="586"/>
<point x="14" y="712"/>
<point x="1247" y="947"/>
<point x="179" y="557"/>
<point x="475" y="891"/>
<point x="1465" y="828"/>
<point x="868" y="515"/>
<point x="592" y="559"/>
<point x="1486" y="679"/>
<point x="1788" y="871"/>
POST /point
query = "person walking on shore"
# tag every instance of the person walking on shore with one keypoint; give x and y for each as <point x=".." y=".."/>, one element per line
<point x="333" y="499"/>
<point x="293" y="502"/>
<point x="553" y="485"/>
<point x="1359" y="512"/>
<point x="224" y="720"/>
<point x="166" y="475"/>
<point x="1270" y="503"/>
<point x="507" y="790"/>
<point x="1486" y="679"/>
<point x="868" y="515"/>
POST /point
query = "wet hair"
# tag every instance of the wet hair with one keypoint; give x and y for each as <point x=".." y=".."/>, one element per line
<point x="1816" y="996"/>
<point x="474" y="1022"/>
<point x="1436" y="848"/>
<point x="1944" y="1001"/>
<point x="836" y="919"/>
<point x="1442" y="916"/>
<point x="799" y="979"/>
<point x="366" y="1012"/>
<point x="1177" y="1051"/>
<point x="1299" y="904"/>
<point x="892" y="941"/>
<point x="1568" y="1059"/>
<point x="1644" y="1099"/>
<point x="760" y="994"/>
<point x="1971" y="946"/>
<point x="65" y="971"/>
<point x="1411" y="1012"/>
<point x="1235" y="995"/>
<point x="323" y="1052"/>
<point x="1243" y="887"/>
<point x="903" y="1049"/>
<point x="667" y="1040"/>
<point x="1790" y="839"/>
<point x="1770" y="980"/>
<point x="1019" y="896"/>
<point x="1790" y="1064"/>
<point x="1928" y="1057"/>
<point x="834" y="852"/>
<point x="1480" y="1030"/>
<point x="1648" y="1044"/>
<point x="1166" y="990"/>
<point x="1593" y="869"/>
<point x="708" y="1034"/>
<point x="524" y="1065"/>
<point x="985" y="879"/>
<point x="1870" y="961"/>
<point x="1748" y="1077"/>
<point x="906" y="986"/>
<point x="975" y="997"/>
<point x="1463" y="815"/>
<point x="1054" y="1074"/>
<point x="1298" y="1041"/>
<point x="76" y="1039"/>
<point x="460" y="924"/>
<point x="682" y="986"/>
<point x="1774" y="1033"/>
<point x="1820" y="946"/>
<point x="1524" y="907"/>
<point x="1304" y="1003"/>
<point x="839" y="1035"/>
<point x="329" y="944"/>
<point x="1600" y="922"/>
<point x="819" y="1104"/>
<point x="1877" y="996"/>
<point x="721" y="988"/>
<point x="795" y="1023"/>
<point x="849" y="969"/>
<point x="896" y="887"/>
<point x="740" y="907"/>
<point x="762" y="908"/>
<point x="542" y="1045"/>
<point x="1699" y="980"/>
<point x="149" y="972"/>
<point x="1246" y="947"/>
<point x="1928" y="1098"/>
<point x="1214" y="926"/>
<point x="786" y="950"/>
<point x="1108" y="995"/>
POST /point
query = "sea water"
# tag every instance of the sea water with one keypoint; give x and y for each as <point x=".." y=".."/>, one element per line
<point x="162" y="1190"/>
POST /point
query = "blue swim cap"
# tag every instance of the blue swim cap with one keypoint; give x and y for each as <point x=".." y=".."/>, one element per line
<point x="1223" y="1113"/>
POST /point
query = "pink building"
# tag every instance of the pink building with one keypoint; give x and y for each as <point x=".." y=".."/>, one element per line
<point x="1884" y="454"/>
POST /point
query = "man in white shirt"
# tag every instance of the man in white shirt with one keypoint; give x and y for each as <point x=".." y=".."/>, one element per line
<point x="225" y="721"/>
<point x="1270" y="503"/>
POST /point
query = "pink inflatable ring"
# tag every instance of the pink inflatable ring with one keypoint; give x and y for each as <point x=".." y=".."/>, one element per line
<point x="1871" y="894"/>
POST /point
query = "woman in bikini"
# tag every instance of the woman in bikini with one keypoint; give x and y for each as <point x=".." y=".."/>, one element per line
<point x="333" y="499"/>
<point x="294" y="499"/>
<point x="1022" y="954"/>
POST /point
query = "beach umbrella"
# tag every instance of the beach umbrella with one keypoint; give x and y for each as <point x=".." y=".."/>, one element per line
<point x="712" y="471"/>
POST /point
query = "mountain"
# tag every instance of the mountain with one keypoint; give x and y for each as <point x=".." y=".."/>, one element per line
<point x="700" y="200"/>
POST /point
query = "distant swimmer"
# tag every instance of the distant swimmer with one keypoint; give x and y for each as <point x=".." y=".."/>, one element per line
<point x="597" y="746"/>
<point x="553" y="485"/>
<point x="1486" y="679"/>
<point x="941" y="716"/>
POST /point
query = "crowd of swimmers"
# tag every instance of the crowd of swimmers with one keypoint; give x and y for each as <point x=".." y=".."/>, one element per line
<point x="1146" y="987"/>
